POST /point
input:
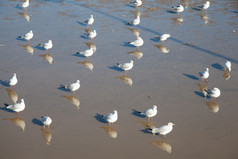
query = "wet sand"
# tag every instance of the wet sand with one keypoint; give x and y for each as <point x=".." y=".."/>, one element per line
<point x="169" y="80"/>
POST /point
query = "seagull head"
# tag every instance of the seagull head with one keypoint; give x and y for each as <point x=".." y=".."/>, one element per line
<point x="154" y="107"/>
<point x="91" y="16"/>
<point x="78" y="81"/>
<point x="170" y="124"/>
<point x="50" y="41"/>
<point x="132" y="61"/>
<point x="14" y="74"/>
<point x="207" y="69"/>
<point x="22" y="100"/>
<point x="114" y="112"/>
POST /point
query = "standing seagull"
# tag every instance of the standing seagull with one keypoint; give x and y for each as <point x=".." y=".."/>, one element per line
<point x="178" y="9"/>
<point x="92" y="34"/>
<point x="163" y="37"/>
<point x="135" y="21"/>
<point x="90" y="21"/>
<point x="87" y="53"/>
<point x="73" y="86"/>
<point x="48" y="45"/>
<point x="24" y="5"/>
<point x="227" y="65"/>
<point x="18" y="107"/>
<point x="163" y="130"/>
<point x="136" y="3"/>
<point x="126" y="66"/>
<point x="150" y="113"/>
<point x="13" y="81"/>
<point x="205" y="6"/>
<point x="28" y="36"/>
<point x="204" y="75"/>
<point x="46" y="120"/>
<point x="111" y="117"/>
<point x="214" y="93"/>
<point x="138" y="42"/>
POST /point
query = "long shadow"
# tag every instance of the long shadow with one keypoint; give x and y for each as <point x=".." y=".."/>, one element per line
<point x="157" y="33"/>
<point x="82" y="23"/>
<point x="79" y="55"/>
<point x="37" y="122"/>
<point x="218" y="66"/>
<point x="191" y="76"/>
<point x="99" y="118"/>
<point x="6" y="110"/>
<point x="201" y="94"/>
<point x="39" y="47"/>
<point x="136" y="113"/>
<point x="4" y="83"/>
<point x="116" y="68"/>
<point x="61" y="87"/>
<point x="127" y="44"/>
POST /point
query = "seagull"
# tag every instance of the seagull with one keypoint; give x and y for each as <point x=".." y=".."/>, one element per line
<point x="48" y="45"/>
<point x="28" y="36"/>
<point x="18" y="107"/>
<point x="227" y="66"/>
<point x="126" y="66"/>
<point x="136" y="3"/>
<point x="13" y="81"/>
<point x="73" y="86"/>
<point x="205" y="6"/>
<point x="204" y="75"/>
<point x="111" y="117"/>
<point x="91" y="34"/>
<point x="150" y="113"/>
<point x="135" y="21"/>
<point x="90" y="21"/>
<point x="24" y="5"/>
<point x="163" y="37"/>
<point x="138" y="42"/>
<point x="46" y="120"/>
<point x="214" y="93"/>
<point x="178" y="9"/>
<point x="87" y="53"/>
<point x="163" y="130"/>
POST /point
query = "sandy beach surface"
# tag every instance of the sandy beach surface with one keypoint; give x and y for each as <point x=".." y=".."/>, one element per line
<point x="164" y="74"/>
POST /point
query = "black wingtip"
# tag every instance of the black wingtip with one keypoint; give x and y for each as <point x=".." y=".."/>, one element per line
<point x="6" y="104"/>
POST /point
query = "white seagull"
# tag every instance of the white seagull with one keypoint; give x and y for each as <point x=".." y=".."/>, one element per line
<point x="138" y="42"/>
<point x="136" y="21"/>
<point x="214" y="93"/>
<point x="163" y="37"/>
<point x="90" y="21"/>
<point x="13" y="81"/>
<point x="28" y="36"/>
<point x="46" y="120"/>
<point x="204" y="75"/>
<point x="92" y="34"/>
<point x="136" y="3"/>
<point x="150" y="113"/>
<point x="18" y="107"/>
<point x="126" y="66"/>
<point x="24" y="5"/>
<point x="178" y="9"/>
<point x="48" y="45"/>
<point x="227" y="65"/>
<point x="87" y="53"/>
<point x="163" y="130"/>
<point x="73" y="86"/>
<point x="111" y="117"/>
<point x="205" y="6"/>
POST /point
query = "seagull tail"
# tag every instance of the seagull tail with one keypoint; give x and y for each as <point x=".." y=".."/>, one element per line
<point x="63" y="86"/>
<point x="20" y="37"/>
<point x="6" y="105"/>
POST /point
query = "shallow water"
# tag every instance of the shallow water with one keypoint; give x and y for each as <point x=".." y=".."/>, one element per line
<point x="168" y="80"/>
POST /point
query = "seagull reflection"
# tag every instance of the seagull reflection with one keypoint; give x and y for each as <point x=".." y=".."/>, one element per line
<point x="12" y="94"/>
<point x="134" y="31"/>
<point x="47" y="135"/>
<point x="213" y="106"/>
<point x="126" y="79"/>
<point x="25" y="15"/>
<point x="163" y="145"/>
<point x="177" y="21"/>
<point x="138" y="54"/>
<point x="73" y="100"/>
<point x="203" y="89"/>
<point x="110" y="131"/>
<point x="147" y="124"/>
<point x="47" y="57"/>
<point x="227" y="75"/>
<point x="18" y="121"/>
<point x="87" y="64"/>
<point x="28" y="48"/>
<point x="162" y="48"/>
<point x="204" y="17"/>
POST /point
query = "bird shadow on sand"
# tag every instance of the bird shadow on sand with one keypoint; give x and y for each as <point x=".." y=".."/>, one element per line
<point x="116" y="68"/>
<point x="61" y="87"/>
<point x="191" y="76"/>
<point x="21" y="39"/>
<point x="4" y="83"/>
<point x="79" y="55"/>
<point x="99" y="118"/>
<point x="234" y="11"/>
<point x="37" y="122"/>
<point x="171" y="12"/>
<point x="145" y="131"/>
<point x="6" y="110"/>
<point x="218" y="66"/>
<point x="39" y="48"/>
<point x="200" y="94"/>
<point x="84" y="37"/>
<point x="137" y="114"/>
<point x="127" y="44"/>
<point x="82" y="23"/>
<point x="129" y="5"/>
<point x="196" y="8"/>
